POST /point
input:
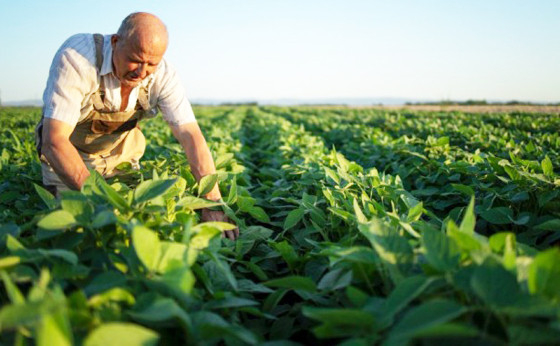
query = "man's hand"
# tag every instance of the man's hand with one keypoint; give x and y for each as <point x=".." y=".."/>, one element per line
<point x="218" y="215"/>
<point x="202" y="164"/>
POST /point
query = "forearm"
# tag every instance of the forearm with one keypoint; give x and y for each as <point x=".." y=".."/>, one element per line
<point x="66" y="162"/>
<point x="198" y="154"/>
<point x="202" y="164"/>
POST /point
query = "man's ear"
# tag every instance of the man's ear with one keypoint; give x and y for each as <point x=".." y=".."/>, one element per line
<point x="114" y="39"/>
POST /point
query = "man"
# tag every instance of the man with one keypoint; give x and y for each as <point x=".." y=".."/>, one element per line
<point x="99" y="87"/>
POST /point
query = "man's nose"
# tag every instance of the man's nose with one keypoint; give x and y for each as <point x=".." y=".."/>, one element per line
<point x="142" y="70"/>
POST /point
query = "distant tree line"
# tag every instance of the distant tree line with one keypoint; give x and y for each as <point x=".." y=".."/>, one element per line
<point x="480" y="103"/>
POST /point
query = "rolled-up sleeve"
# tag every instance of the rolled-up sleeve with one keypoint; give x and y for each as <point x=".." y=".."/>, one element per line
<point x="70" y="80"/>
<point x="171" y="96"/>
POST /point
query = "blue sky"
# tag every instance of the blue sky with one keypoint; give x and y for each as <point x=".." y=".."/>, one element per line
<point x="494" y="50"/>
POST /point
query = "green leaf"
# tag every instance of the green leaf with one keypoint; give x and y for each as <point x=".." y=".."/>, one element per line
<point x="223" y="160"/>
<point x="548" y="196"/>
<point x="207" y="183"/>
<point x="550" y="225"/>
<point x="404" y="293"/>
<point x="332" y="174"/>
<point x="160" y="310"/>
<point x="150" y="189"/>
<point x="60" y="219"/>
<point x="533" y="334"/>
<point x="358" y="212"/>
<point x="259" y="214"/>
<point x="498" y="216"/>
<point x="469" y="243"/>
<point x="121" y="333"/>
<point x="13" y="244"/>
<point x="179" y="278"/>
<point x="415" y="212"/>
<point x="424" y="317"/>
<point x="115" y="294"/>
<point x="340" y="317"/>
<point x="13" y="291"/>
<point x="273" y="299"/>
<point x="245" y="203"/>
<point x="171" y="254"/>
<point x="111" y="195"/>
<point x="357" y="297"/>
<point x="66" y="255"/>
<point x="544" y="274"/>
<point x="293" y="282"/>
<point x="464" y="189"/>
<point x="104" y="281"/>
<point x="441" y="251"/>
<point x="293" y="218"/>
<point x="442" y="141"/>
<point x="547" y="167"/>
<point x="54" y="329"/>
<point x="256" y="233"/>
<point x="452" y="330"/>
<point x="194" y="203"/>
<point x="232" y="196"/>
<point x="9" y="261"/>
<point x="202" y="238"/>
<point x="222" y="226"/>
<point x="393" y="249"/>
<point x="343" y="214"/>
<point x="287" y="252"/>
<point x="230" y="302"/>
<point x="255" y="269"/>
<point x="220" y="273"/>
<point x="47" y="197"/>
<point x="26" y="314"/>
<point x="178" y="189"/>
<point x="104" y="218"/>
<point x="211" y="325"/>
<point x="495" y="285"/>
<point x="77" y="204"/>
<point x="335" y="279"/>
<point x="147" y="246"/>
<point x="355" y="254"/>
<point x="340" y="322"/>
<point x="504" y="242"/>
<point x="469" y="219"/>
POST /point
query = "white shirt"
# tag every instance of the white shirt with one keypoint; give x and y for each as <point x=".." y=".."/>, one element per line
<point x="73" y="78"/>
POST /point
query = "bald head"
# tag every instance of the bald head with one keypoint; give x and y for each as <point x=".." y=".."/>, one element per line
<point x="138" y="47"/>
<point x="144" y="28"/>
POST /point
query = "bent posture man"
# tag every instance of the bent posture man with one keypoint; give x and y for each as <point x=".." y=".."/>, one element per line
<point x="99" y="87"/>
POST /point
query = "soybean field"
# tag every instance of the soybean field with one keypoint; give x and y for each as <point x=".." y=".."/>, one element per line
<point x="357" y="227"/>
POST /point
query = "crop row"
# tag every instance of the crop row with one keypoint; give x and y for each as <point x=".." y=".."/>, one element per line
<point x="444" y="159"/>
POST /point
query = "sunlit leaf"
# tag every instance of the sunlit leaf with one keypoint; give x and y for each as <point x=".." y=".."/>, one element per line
<point x="121" y="333"/>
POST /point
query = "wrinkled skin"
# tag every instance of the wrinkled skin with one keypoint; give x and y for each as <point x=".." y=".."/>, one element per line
<point x="137" y="57"/>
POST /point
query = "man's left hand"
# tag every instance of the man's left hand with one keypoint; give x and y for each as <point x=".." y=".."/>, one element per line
<point x="218" y="215"/>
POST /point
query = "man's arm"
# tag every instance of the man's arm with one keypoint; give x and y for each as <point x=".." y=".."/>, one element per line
<point x="61" y="154"/>
<point x="201" y="162"/>
<point x="199" y="156"/>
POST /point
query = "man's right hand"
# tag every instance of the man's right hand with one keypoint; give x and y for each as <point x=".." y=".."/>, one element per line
<point x="61" y="154"/>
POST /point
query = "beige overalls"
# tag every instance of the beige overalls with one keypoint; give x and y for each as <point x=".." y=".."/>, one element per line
<point x="104" y="139"/>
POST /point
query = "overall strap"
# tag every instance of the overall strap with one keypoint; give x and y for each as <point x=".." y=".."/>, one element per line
<point x="97" y="98"/>
<point x="98" y="40"/>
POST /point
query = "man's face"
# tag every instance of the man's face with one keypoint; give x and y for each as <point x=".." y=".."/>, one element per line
<point x="136" y="58"/>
